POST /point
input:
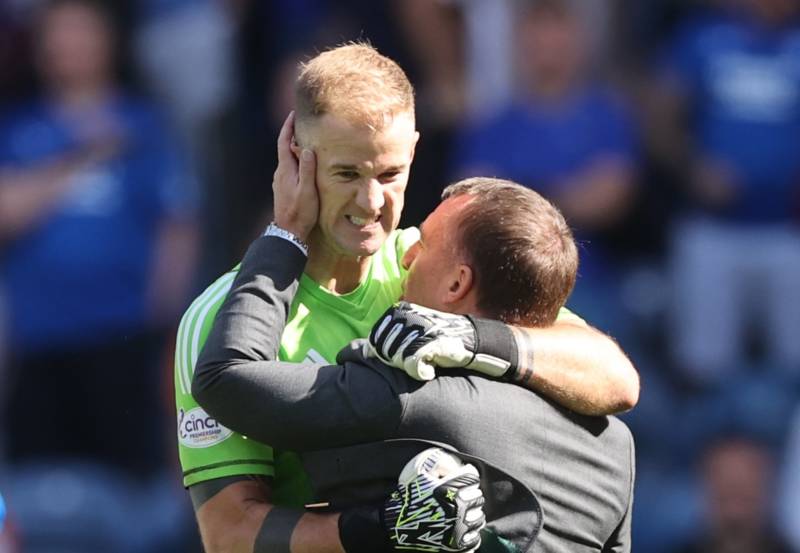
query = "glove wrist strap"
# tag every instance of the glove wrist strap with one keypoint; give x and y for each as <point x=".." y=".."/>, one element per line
<point x="495" y="339"/>
<point x="361" y="530"/>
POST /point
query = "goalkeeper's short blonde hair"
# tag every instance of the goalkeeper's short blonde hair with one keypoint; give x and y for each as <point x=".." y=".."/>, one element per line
<point x="353" y="81"/>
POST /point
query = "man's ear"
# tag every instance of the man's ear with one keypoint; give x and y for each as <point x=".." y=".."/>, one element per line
<point x="461" y="284"/>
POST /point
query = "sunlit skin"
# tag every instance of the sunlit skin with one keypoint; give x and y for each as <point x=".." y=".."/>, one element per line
<point x="439" y="277"/>
<point x="361" y="178"/>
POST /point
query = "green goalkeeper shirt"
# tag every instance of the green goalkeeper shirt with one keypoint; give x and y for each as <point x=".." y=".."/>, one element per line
<point x="319" y="325"/>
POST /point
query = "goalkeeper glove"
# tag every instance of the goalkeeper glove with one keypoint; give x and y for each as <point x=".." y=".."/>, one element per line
<point x="437" y="506"/>
<point x="415" y="339"/>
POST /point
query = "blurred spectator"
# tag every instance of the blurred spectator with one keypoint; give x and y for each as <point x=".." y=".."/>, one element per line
<point x="487" y="39"/>
<point x="186" y="50"/>
<point x="97" y="242"/>
<point x="568" y="136"/>
<point x="729" y="117"/>
<point x="434" y="32"/>
<point x="790" y="485"/>
<point x="737" y="475"/>
<point x="469" y="59"/>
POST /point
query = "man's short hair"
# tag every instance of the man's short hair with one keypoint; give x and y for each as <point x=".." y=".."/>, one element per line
<point x="522" y="251"/>
<point x="355" y="82"/>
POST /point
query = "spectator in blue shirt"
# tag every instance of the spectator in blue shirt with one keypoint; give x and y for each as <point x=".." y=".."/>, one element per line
<point x="98" y="238"/>
<point x="568" y="136"/>
<point x="732" y="80"/>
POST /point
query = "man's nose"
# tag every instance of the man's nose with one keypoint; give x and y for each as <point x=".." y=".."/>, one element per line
<point x="370" y="196"/>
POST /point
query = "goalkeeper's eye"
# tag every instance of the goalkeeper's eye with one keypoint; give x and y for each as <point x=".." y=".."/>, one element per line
<point x="388" y="176"/>
<point x="347" y="175"/>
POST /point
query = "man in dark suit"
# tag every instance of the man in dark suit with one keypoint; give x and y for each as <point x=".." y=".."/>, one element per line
<point x="554" y="481"/>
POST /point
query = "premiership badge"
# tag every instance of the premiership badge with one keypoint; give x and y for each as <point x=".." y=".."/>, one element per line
<point x="197" y="429"/>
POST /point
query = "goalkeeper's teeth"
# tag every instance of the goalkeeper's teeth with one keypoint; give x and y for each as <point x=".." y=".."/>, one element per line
<point x="361" y="221"/>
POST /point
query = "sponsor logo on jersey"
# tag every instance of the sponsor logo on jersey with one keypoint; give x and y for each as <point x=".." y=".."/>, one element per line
<point x="196" y="428"/>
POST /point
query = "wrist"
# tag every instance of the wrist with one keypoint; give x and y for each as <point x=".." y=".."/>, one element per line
<point x="361" y="530"/>
<point x="275" y="229"/>
<point x="295" y="227"/>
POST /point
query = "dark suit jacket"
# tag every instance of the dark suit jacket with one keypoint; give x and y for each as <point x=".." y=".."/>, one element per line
<point x="581" y="469"/>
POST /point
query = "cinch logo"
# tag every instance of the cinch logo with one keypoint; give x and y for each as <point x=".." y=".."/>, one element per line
<point x="197" y="429"/>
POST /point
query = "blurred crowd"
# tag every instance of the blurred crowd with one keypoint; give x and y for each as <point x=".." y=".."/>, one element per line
<point x="137" y="144"/>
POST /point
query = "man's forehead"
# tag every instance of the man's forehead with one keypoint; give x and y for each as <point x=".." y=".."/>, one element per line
<point x="454" y="204"/>
<point x="445" y="213"/>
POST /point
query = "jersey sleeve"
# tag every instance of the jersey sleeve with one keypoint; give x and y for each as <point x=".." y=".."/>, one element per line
<point x="208" y="450"/>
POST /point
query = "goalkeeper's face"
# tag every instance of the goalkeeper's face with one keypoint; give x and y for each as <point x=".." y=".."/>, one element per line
<point x="438" y="275"/>
<point x="361" y="177"/>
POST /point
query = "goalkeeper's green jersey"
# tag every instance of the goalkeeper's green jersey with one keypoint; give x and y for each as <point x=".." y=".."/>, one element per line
<point x="320" y="324"/>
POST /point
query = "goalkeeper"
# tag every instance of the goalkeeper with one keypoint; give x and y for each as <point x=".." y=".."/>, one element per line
<point x="355" y="136"/>
<point x="576" y="470"/>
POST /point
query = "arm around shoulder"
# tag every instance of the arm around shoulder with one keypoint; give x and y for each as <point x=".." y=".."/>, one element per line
<point x="569" y="362"/>
<point x="577" y="366"/>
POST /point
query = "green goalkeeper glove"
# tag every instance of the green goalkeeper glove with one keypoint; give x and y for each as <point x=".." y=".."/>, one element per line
<point x="436" y="507"/>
